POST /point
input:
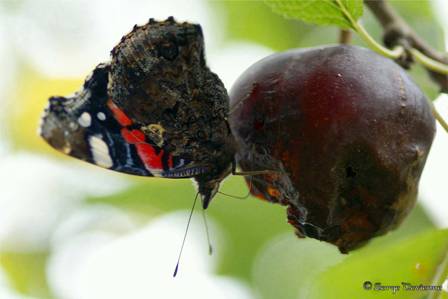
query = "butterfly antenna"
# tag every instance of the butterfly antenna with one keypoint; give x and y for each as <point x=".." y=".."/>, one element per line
<point x="210" y="248"/>
<point x="185" y="235"/>
<point x="240" y="197"/>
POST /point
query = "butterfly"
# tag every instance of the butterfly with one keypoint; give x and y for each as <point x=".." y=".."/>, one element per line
<point x="155" y="109"/>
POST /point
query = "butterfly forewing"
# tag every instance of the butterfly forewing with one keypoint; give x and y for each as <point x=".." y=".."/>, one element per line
<point x="89" y="126"/>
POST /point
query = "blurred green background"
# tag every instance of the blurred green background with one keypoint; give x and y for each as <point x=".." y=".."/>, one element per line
<point x="49" y="201"/>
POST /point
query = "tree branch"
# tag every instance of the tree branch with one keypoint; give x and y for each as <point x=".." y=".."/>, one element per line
<point x="398" y="32"/>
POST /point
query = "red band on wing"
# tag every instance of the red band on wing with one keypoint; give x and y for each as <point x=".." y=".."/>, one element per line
<point x="149" y="156"/>
<point x="119" y="115"/>
<point x="145" y="151"/>
<point x="133" y="137"/>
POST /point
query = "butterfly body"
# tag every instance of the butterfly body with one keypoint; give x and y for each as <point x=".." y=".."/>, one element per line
<point x="154" y="110"/>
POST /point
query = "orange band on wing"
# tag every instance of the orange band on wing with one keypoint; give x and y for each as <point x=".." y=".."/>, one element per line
<point x="119" y="115"/>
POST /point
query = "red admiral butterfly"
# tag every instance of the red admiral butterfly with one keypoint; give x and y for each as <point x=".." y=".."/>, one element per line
<point x="154" y="110"/>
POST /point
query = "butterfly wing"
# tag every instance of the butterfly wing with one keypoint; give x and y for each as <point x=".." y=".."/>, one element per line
<point x="155" y="110"/>
<point x="159" y="77"/>
<point x="90" y="127"/>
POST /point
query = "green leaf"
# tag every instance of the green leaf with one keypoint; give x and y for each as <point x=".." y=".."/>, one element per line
<point x="418" y="260"/>
<point x="321" y="12"/>
<point x="282" y="276"/>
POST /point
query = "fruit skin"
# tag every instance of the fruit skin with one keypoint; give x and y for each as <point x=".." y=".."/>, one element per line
<point x="349" y="130"/>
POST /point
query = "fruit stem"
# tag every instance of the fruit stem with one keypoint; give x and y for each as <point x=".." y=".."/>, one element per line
<point x="368" y="39"/>
<point x="429" y="63"/>
<point x="421" y="58"/>
<point x="345" y="36"/>
<point x="439" y="117"/>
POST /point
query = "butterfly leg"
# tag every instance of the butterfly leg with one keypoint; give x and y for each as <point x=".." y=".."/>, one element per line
<point x="255" y="172"/>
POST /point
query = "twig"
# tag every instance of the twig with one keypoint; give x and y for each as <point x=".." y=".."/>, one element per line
<point x="398" y="32"/>
<point x="395" y="53"/>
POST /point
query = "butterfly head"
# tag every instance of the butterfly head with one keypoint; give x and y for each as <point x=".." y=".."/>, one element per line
<point x="207" y="192"/>
<point x="208" y="184"/>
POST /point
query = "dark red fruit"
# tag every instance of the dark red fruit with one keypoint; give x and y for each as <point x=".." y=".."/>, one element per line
<point x="349" y="129"/>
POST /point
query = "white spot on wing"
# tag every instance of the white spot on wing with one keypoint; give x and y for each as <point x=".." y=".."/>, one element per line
<point x="100" y="152"/>
<point x="85" y="120"/>
<point x="101" y="116"/>
<point x="73" y="126"/>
